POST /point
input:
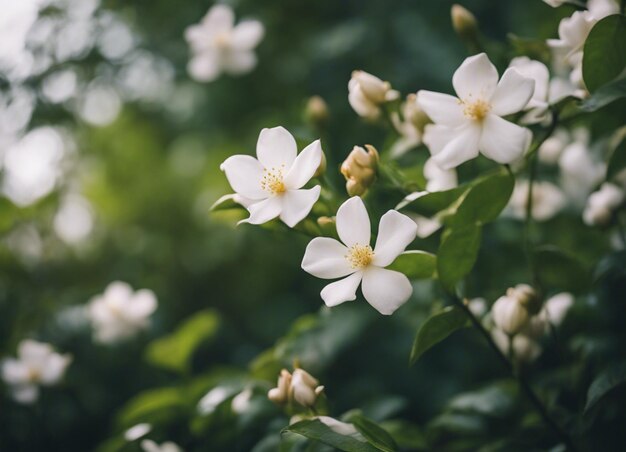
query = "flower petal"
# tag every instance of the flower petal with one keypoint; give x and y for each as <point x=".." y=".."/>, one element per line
<point x="441" y="108"/>
<point x="503" y="141"/>
<point x="244" y="174"/>
<point x="462" y="146"/>
<point x="25" y="394"/>
<point x="264" y="211"/>
<point x="15" y="371"/>
<point x="143" y="304"/>
<point x="342" y="290"/>
<point x="219" y="18"/>
<point x="297" y="204"/>
<point x="477" y="77"/>
<point x="386" y="290"/>
<point x="353" y="222"/>
<point x="304" y="166"/>
<point x="204" y="67"/>
<point x="436" y="137"/>
<point x="238" y="62"/>
<point x="276" y="147"/>
<point x="247" y="34"/>
<point x="395" y="232"/>
<point x="326" y="258"/>
<point x="513" y="93"/>
<point x="54" y="369"/>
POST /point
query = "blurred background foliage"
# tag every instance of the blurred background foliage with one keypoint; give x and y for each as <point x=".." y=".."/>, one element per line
<point x="137" y="150"/>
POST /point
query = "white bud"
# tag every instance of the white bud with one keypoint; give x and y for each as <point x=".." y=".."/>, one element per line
<point x="366" y="93"/>
<point x="280" y="394"/>
<point x="601" y="205"/>
<point x="509" y="314"/>
<point x="359" y="169"/>
<point x="303" y="387"/>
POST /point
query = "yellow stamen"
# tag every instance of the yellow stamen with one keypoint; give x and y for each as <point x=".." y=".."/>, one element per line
<point x="272" y="180"/>
<point x="360" y="256"/>
<point x="476" y="110"/>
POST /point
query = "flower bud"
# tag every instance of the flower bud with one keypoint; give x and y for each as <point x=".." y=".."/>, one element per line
<point x="316" y="111"/>
<point x="360" y="169"/>
<point x="464" y="23"/>
<point x="304" y="388"/>
<point x="280" y="394"/>
<point x="602" y="204"/>
<point x="509" y="315"/>
<point x="414" y="114"/>
<point x="527" y="296"/>
<point x="326" y="221"/>
<point x="366" y="93"/>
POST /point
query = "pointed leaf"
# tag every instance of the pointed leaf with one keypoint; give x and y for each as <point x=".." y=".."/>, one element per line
<point x="416" y="264"/>
<point x="435" y="329"/>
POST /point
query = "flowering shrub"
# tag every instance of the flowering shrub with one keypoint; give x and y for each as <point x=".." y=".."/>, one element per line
<point x="473" y="199"/>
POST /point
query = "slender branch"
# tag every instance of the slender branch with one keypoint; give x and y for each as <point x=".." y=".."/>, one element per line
<point x="524" y="385"/>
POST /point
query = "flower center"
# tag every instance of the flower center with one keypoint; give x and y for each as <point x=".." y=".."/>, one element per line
<point x="476" y="109"/>
<point x="360" y="256"/>
<point x="33" y="375"/>
<point x="273" y="180"/>
<point x="222" y="40"/>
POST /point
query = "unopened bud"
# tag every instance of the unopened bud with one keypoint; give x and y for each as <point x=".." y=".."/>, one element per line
<point x="280" y="394"/>
<point x="465" y="24"/>
<point x="304" y="388"/>
<point x="326" y="221"/>
<point x="414" y="114"/>
<point x="366" y="93"/>
<point x="316" y="111"/>
<point x="509" y="315"/>
<point x="527" y="296"/>
<point x="360" y="169"/>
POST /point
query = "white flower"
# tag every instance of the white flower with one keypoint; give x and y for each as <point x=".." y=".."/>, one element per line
<point x="438" y="179"/>
<point x="218" y="45"/>
<point x="580" y="172"/>
<point x="557" y="307"/>
<point x="366" y="94"/>
<point x="119" y="313"/>
<point x="548" y="200"/>
<point x="537" y="71"/>
<point x="137" y="431"/>
<point x="599" y="9"/>
<point x="473" y="122"/>
<point x="241" y="402"/>
<point x="354" y="260"/>
<point x="573" y="32"/>
<point x="150" y="446"/>
<point x="551" y="149"/>
<point x="410" y="127"/>
<point x="602" y="203"/>
<point x="37" y="364"/>
<point x="271" y="186"/>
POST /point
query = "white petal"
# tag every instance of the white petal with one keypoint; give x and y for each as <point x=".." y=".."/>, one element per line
<point x="326" y="258"/>
<point x="386" y="290"/>
<point x="33" y="352"/>
<point x="342" y="290"/>
<point x="142" y="305"/>
<point x="238" y="62"/>
<point x="512" y="94"/>
<point x="276" y="147"/>
<point x="395" y="232"/>
<point x="502" y="140"/>
<point x="244" y="174"/>
<point x="436" y="137"/>
<point x="304" y="166"/>
<point x="296" y="204"/>
<point x="426" y="226"/>
<point x="264" y="211"/>
<point x="462" y="147"/>
<point x="477" y="77"/>
<point x="441" y="108"/>
<point x="25" y="394"/>
<point x="204" y="67"/>
<point x="247" y="34"/>
<point x="118" y="290"/>
<point x="361" y="104"/>
<point x="54" y="368"/>
<point x="353" y="222"/>
<point x="220" y="18"/>
<point x="14" y="371"/>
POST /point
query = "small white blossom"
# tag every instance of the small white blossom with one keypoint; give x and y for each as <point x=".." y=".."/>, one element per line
<point x="355" y="261"/>
<point x="580" y="172"/>
<point x="548" y="200"/>
<point x="367" y="93"/>
<point x="37" y="364"/>
<point x="270" y="185"/>
<point x="150" y="446"/>
<point x="472" y="123"/>
<point x="602" y="204"/>
<point x="119" y="313"/>
<point x="218" y="45"/>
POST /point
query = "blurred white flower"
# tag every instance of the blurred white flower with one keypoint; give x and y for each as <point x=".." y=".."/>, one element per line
<point x="548" y="200"/>
<point x="538" y="104"/>
<point x="556" y="307"/>
<point x="241" y="402"/>
<point x="512" y="311"/>
<point x="212" y="399"/>
<point x="473" y="122"/>
<point x="271" y="186"/>
<point x="354" y="260"/>
<point x="280" y="394"/>
<point x="410" y="127"/>
<point x="119" y="313"/>
<point x="551" y="149"/>
<point x="525" y="348"/>
<point x="438" y="179"/>
<point x="478" y="306"/>
<point x="580" y="172"/>
<point x="137" y="431"/>
<point x="150" y="446"/>
<point x="218" y="45"/>
<point x="602" y="204"/>
<point x="37" y="364"/>
<point x="573" y="32"/>
<point x="599" y="9"/>
<point x="367" y="93"/>
<point x="73" y="221"/>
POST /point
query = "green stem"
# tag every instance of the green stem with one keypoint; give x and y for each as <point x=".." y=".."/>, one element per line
<point x="524" y="385"/>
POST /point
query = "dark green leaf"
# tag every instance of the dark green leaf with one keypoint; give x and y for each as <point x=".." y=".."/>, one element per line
<point x="318" y="431"/>
<point x="558" y="270"/>
<point x="376" y="435"/>
<point x="174" y="351"/>
<point x="154" y="405"/>
<point x="416" y="264"/>
<point x="436" y="328"/>
<point x="457" y="254"/>
<point x="604" y="56"/>
<point x="617" y="161"/>
<point x="428" y="204"/>
<point x="407" y="435"/>
<point x="605" y="95"/>
<point x="608" y="380"/>
<point x="485" y="199"/>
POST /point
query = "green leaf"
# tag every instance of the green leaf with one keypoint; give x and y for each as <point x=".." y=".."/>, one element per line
<point x="416" y="264"/>
<point x="605" y="95"/>
<point x="429" y="203"/>
<point x="604" y="55"/>
<point x="485" y="199"/>
<point x="617" y="161"/>
<point x="154" y="406"/>
<point x="604" y="383"/>
<point x="407" y="435"/>
<point x="559" y="270"/>
<point x="318" y="431"/>
<point x="435" y="329"/>
<point x="373" y="433"/>
<point x="457" y="253"/>
<point x="174" y="351"/>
